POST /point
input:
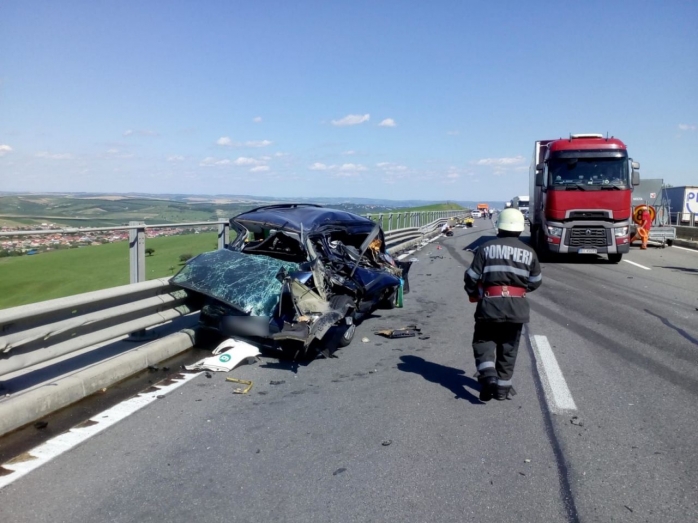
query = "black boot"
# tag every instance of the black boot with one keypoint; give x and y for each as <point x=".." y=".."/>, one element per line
<point x="504" y="392"/>
<point x="488" y="387"/>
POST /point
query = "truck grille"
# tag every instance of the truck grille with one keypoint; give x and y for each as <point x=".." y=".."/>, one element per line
<point x="588" y="237"/>
<point x="580" y="215"/>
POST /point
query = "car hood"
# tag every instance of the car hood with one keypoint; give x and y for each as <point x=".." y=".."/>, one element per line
<point x="246" y="282"/>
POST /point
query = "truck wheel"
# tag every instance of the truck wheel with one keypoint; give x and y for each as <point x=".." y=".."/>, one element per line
<point x="615" y="258"/>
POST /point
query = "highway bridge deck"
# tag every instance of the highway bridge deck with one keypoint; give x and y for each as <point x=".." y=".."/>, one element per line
<point x="392" y="430"/>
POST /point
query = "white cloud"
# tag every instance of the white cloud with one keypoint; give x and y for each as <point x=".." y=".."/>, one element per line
<point x="247" y="161"/>
<point x="452" y="133"/>
<point x="280" y="155"/>
<point x="55" y="156"/>
<point x="259" y="169"/>
<point x="128" y="132"/>
<point x="258" y="143"/>
<point x="391" y="167"/>
<point x="351" y="119"/>
<point x="349" y="153"/>
<point x="210" y="161"/>
<point x="388" y="122"/>
<point x="453" y="175"/>
<point x="501" y="161"/>
<point x="317" y="166"/>
<point x="226" y="141"/>
<point x="352" y="167"/>
<point x="4" y="149"/>
<point x="175" y="158"/>
<point x="112" y="151"/>
<point x="687" y="127"/>
<point x="257" y="119"/>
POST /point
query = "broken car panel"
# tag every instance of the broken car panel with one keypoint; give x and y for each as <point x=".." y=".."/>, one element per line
<point x="293" y="273"/>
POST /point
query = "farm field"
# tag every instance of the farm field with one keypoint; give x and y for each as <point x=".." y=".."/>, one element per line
<point x="29" y="279"/>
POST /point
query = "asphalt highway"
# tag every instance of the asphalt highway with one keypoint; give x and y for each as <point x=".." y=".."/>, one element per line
<point x="392" y="430"/>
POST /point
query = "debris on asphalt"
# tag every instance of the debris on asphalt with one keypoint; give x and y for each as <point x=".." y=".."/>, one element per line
<point x="277" y="382"/>
<point x="153" y="368"/>
<point x="339" y="471"/>
<point x="209" y="375"/>
<point x="410" y="331"/>
<point x="424" y="337"/>
<point x="240" y="390"/>
<point x="427" y="274"/>
<point x="576" y="421"/>
<point x="160" y="397"/>
<point x="387" y="442"/>
<point x="228" y="355"/>
<point x="39" y="425"/>
<point x="365" y="340"/>
<point x="527" y="460"/>
<point x="373" y="371"/>
<point x="626" y="506"/>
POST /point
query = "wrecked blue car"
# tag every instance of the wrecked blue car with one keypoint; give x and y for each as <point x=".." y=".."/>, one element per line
<point x="296" y="273"/>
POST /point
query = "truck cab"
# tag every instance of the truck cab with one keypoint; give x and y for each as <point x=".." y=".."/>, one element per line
<point x="582" y="196"/>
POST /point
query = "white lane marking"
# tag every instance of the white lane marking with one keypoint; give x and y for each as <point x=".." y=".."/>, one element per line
<point x="694" y="251"/>
<point x="637" y="265"/>
<point x="68" y="440"/>
<point x="557" y="393"/>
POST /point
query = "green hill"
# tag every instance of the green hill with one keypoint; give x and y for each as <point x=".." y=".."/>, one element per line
<point x="55" y="274"/>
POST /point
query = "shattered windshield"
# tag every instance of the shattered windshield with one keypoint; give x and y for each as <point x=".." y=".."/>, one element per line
<point x="585" y="172"/>
<point x="246" y="282"/>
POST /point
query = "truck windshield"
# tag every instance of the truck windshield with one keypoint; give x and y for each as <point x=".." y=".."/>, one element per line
<point x="589" y="172"/>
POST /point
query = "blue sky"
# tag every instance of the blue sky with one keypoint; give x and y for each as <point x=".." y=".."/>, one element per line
<point x="421" y="100"/>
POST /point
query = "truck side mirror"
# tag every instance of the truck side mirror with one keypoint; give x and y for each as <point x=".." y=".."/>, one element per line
<point x="635" y="166"/>
<point x="635" y="177"/>
<point x="539" y="179"/>
<point x="541" y="166"/>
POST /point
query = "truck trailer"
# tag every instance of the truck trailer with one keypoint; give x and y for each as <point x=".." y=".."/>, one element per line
<point x="683" y="202"/>
<point x="581" y="190"/>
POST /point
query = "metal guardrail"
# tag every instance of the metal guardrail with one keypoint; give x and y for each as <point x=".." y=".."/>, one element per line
<point x="677" y="219"/>
<point x="401" y="220"/>
<point x="44" y="331"/>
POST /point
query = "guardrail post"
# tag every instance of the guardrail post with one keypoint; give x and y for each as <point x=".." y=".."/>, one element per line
<point x="390" y="221"/>
<point x="136" y="247"/>
<point x="223" y="235"/>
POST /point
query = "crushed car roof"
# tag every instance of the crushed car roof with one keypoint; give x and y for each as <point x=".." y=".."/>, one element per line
<point x="299" y="217"/>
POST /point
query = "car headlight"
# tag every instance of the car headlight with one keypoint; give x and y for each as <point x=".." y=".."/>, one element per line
<point x="555" y="231"/>
<point x="620" y="231"/>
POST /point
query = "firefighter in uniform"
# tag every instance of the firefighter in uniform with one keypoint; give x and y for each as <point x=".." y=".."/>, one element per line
<point x="501" y="274"/>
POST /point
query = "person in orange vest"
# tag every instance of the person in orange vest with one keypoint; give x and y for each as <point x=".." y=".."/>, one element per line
<point x="643" y="229"/>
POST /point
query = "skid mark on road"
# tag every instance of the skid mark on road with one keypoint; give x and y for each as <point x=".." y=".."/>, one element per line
<point x="557" y="393"/>
<point x="16" y="468"/>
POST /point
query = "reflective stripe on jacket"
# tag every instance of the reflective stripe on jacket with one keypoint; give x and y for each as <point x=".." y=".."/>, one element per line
<point x="504" y="261"/>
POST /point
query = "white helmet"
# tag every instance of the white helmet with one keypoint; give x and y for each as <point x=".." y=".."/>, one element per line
<point x="507" y="205"/>
<point x="511" y="220"/>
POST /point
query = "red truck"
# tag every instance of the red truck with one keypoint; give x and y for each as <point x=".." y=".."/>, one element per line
<point x="581" y="196"/>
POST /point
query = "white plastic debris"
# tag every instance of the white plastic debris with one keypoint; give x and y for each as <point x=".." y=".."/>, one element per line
<point x="228" y="355"/>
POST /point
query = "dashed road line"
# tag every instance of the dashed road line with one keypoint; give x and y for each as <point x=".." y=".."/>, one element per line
<point x="38" y="456"/>
<point x="637" y="265"/>
<point x="557" y="393"/>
